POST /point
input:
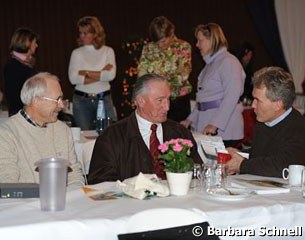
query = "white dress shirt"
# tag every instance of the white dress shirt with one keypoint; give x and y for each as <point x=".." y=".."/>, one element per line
<point x="144" y="127"/>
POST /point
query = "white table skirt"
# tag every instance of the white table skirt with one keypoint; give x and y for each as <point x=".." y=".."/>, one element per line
<point x="84" y="218"/>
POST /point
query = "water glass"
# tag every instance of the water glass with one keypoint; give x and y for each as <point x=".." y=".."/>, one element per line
<point x="208" y="176"/>
<point x="197" y="173"/>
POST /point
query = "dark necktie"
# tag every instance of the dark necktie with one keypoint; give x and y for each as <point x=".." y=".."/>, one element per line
<point x="153" y="147"/>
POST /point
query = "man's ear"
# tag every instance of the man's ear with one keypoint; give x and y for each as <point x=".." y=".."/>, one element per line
<point x="279" y="105"/>
<point x="140" y="100"/>
<point x="35" y="102"/>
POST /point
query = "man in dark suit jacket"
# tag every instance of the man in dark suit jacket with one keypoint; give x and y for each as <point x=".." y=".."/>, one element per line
<point x="122" y="149"/>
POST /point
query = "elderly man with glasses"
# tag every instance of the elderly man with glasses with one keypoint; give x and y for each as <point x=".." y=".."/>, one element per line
<point x="35" y="133"/>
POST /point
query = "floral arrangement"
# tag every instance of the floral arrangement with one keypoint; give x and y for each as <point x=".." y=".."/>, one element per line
<point x="174" y="63"/>
<point x="176" y="155"/>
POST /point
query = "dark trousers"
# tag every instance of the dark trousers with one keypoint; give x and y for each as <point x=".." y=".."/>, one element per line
<point x="180" y="108"/>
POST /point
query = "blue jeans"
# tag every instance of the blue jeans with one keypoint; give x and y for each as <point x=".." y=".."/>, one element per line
<point x="84" y="111"/>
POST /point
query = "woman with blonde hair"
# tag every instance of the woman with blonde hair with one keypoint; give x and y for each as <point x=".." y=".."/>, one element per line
<point x="92" y="67"/>
<point x="220" y="85"/>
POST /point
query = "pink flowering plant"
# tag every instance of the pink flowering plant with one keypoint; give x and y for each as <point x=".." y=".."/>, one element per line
<point x="176" y="155"/>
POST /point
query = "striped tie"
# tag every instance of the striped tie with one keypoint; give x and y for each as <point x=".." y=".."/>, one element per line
<point x="153" y="147"/>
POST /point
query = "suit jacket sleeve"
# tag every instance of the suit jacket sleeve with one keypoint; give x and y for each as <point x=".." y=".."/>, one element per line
<point x="102" y="166"/>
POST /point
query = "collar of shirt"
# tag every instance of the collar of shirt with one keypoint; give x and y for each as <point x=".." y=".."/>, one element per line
<point x="23" y="58"/>
<point x="144" y="127"/>
<point x="30" y="120"/>
<point x="278" y="119"/>
<point x="208" y="58"/>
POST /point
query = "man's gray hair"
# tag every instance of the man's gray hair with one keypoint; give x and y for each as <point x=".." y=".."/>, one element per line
<point x="35" y="86"/>
<point x="142" y="82"/>
<point x="278" y="82"/>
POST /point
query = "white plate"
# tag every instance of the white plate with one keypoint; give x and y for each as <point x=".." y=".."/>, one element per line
<point x="236" y="194"/>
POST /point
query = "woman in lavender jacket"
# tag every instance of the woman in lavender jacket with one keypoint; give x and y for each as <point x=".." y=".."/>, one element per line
<point x="220" y="85"/>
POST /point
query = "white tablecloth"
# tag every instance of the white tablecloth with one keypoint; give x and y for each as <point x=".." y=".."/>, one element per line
<point x="84" y="218"/>
<point x="85" y="146"/>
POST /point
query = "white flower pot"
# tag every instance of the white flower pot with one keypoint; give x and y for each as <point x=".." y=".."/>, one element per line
<point x="179" y="183"/>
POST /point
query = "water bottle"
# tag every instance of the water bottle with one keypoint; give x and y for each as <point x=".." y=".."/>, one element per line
<point x="220" y="174"/>
<point x="100" y="116"/>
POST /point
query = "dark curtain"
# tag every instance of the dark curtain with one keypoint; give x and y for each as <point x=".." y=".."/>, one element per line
<point x="263" y="13"/>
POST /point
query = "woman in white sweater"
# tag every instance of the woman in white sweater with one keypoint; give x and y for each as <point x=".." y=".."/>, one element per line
<point x="92" y="66"/>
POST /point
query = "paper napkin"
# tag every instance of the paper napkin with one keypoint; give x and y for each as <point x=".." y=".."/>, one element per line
<point x="143" y="185"/>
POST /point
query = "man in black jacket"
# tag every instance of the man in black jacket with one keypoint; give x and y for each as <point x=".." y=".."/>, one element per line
<point x="279" y="134"/>
<point x="122" y="149"/>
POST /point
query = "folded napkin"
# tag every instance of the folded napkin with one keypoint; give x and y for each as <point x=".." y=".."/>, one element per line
<point x="143" y="185"/>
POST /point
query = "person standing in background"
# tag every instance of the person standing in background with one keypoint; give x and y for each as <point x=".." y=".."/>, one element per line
<point x="245" y="53"/>
<point x="169" y="57"/>
<point x="92" y="67"/>
<point x="220" y="85"/>
<point x="19" y="67"/>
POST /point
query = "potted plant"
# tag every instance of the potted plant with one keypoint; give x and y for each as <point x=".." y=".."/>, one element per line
<point x="178" y="164"/>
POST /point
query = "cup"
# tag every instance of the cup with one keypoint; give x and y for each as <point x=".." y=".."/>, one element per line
<point x="294" y="175"/>
<point x="75" y="133"/>
<point x="52" y="183"/>
<point x="223" y="156"/>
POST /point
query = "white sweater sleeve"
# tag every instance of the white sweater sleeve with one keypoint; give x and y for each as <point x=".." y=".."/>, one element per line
<point x="74" y="66"/>
<point x="110" y="59"/>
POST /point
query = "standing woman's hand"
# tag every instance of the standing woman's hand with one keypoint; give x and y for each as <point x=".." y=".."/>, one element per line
<point x="186" y="123"/>
<point x="210" y="130"/>
<point x="183" y="91"/>
<point x="108" y="67"/>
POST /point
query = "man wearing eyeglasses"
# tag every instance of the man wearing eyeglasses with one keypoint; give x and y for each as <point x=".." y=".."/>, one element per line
<point x="35" y="133"/>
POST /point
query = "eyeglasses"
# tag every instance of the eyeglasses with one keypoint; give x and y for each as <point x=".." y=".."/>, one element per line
<point x="58" y="100"/>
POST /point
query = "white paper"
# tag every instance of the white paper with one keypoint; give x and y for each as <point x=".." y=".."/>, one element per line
<point x="211" y="145"/>
<point x="261" y="186"/>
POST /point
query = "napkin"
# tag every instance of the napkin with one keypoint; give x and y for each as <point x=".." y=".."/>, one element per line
<point x="143" y="185"/>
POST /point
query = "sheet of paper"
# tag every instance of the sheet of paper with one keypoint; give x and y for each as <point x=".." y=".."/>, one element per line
<point x="261" y="186"/>
<point x="211" y="144"/>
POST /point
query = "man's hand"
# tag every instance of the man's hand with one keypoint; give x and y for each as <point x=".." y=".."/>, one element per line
<point x="233" y="165"/>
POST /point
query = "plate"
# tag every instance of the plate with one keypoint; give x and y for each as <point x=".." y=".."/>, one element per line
<point x="230" y="194"/>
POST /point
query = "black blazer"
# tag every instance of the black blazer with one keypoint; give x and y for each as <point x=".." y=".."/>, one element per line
<point x="120" y="151"/>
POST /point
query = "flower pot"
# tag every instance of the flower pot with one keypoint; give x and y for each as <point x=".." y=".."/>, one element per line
<point x="179" y="183"/>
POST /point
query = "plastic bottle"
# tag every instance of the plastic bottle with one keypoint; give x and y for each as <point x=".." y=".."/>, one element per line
<point x="220" y="174"/>
<point x="100" y="116"/>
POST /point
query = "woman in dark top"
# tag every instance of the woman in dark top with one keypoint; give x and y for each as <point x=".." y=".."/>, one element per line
<point x="19" y="67"/>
